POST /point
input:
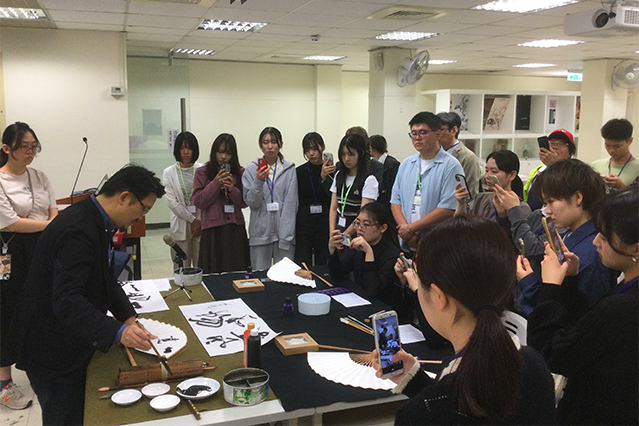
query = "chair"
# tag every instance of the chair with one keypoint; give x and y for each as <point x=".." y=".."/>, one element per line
<point x="516" y="325"/>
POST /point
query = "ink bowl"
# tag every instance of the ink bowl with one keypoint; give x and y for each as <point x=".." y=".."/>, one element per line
<point x="164" y="403"/>
<point x="126" y="397"/>
<point x="197" y="388"/>
<point x="155" y="389"/>
<point x="191" y="276"/>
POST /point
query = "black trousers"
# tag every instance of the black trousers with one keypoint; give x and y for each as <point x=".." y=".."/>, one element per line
<point x="311" y="238"/>
<point x="61" y="398"/>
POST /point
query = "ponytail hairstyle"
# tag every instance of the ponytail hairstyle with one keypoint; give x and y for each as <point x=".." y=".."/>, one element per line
<point x="13" y="136"/>
<point x="276" y="136"/>
<point x="471" y="259"/>
<point x="312" y="140"/>
<point x="508" y="162"/>
<point x="379" y="213"/>
<point x="212" y="166"/>
<point x="353" y="143"/>
<point x="617" y="215"/>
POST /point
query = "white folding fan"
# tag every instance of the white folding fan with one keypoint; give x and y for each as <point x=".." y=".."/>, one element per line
<point x="170" y="341"/>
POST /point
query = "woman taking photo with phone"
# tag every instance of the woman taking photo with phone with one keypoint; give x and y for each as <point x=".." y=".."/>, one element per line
<point x="465" y="276"/>
<point x="218" y="193"/>
<point x="313" y="188"/>
<point x="371" y="255"/>
<point x="353" y="186"/>
<point x="178" y="183"/>
<point x="504" y="166"/>
<point x="595" y="349"/>
<point x="270" y="190"/>
<point x="27" y="206"/>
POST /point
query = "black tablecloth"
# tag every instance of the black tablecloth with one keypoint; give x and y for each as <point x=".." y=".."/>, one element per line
<point x="293" y="381"/>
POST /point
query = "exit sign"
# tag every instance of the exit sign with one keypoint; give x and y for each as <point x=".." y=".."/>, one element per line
<point x="575" y="76"/>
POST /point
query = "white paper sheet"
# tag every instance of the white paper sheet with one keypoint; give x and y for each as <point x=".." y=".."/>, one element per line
<point x="220" y="325"/>
<point x="350" y="300"/>
<point x="144" y="296"/>
<point x="163" y="284"/>
<point x="284" y="272"/>
<point x="410" y="334"/>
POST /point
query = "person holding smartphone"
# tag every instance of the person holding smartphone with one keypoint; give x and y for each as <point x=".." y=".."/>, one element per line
<point x="596" y="349"/>
<point x="502" y="169"/>
<point x="622" y="168"/>
<point x="313" y="189"/>
<point x="464" y="274"/>
<point x="571" y="189"/>
<point x="186" y="225"/>
<point x="270" y="190"/>
<point x="218" y="193"/>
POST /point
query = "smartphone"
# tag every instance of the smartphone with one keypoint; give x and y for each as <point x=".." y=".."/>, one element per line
<point x="387" y="343"/>
<point x="226" y="167"/>
<point x="553" y="239"/>
<point x="493" y="179"/>
<point x="407" y="263"/>
<point x="328" y="156"/>
<point x="261" y="163"/>
<point x="542" y="141"/>
<point x="346" y="240"/>
<point x="462" y="181"/>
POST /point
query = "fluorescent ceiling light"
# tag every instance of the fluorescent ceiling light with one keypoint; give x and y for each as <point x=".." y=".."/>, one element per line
<point x="406" y="36"/>
<point x="534" y="65"/>
<point x="195" y="51"/>
<point x="440" y="62"/>
<point x="21" y="13"/>
<point x="522" y="6"/>
<point x="323" y="58"/>
<point x="221" y="25"/>
<point x="549" y="43"/>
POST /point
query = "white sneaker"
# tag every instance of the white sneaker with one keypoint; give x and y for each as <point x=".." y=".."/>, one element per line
<point x="12" y="397"/>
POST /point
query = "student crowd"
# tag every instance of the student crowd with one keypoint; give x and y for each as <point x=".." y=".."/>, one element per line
<point x="358" y="213"/>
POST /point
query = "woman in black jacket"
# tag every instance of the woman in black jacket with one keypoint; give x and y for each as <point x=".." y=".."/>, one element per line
<point x="596" y="349"/>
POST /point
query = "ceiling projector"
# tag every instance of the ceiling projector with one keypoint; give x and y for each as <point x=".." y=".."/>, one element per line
<point x="620" y="20"/>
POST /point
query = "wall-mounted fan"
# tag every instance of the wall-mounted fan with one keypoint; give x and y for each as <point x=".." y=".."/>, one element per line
<point x="626" y="74"/>
<point x="413" y="69"/>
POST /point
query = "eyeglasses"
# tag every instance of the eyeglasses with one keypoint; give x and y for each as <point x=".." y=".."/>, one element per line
<point x="145" y="209"/>
<point x="421" y="133"/>
<point x="557" y="144"/>
<point x="30" y="148"/>
<point x="362" y="225"/>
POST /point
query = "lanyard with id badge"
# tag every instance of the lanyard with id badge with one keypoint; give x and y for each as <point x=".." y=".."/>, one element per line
<point x="189" y="206"/>
<point x="272" y="206"/>
<point x="416" y="208"/>
<point x="341" y="222"/>
<point x="316" y="207"/>
<point x="5" y="256"/>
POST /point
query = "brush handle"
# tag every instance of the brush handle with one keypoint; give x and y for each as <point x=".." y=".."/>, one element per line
<point x="337" y="348"/>
<point x="131" y="359"/>
<point x="325" y="282"/>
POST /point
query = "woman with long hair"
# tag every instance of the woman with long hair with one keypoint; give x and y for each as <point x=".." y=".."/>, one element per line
<point x="270" y="190"/>
<point x="27" y="206"/>
<point x="354" y="186"/>
<point x="218" y="193"/>
<point x="595" y="349"/>
<point x="186" y="225"/>
<point x="465" y="274"/>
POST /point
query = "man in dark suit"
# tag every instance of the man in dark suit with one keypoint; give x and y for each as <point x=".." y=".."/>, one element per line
<point x="71" y="285"/>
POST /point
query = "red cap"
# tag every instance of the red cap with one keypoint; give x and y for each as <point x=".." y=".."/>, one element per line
<point x="562" y="132"/>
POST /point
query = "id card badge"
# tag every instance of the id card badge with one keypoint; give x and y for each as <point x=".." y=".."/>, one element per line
<point x="229" y="208"/>
<point x="341" y="222"/>
<point x="5" y="267"/>
<point x="316" y="208"/>
<point x="272" y="207"/>
<point x="191" y="209"/>
<point x="416" y="209"/>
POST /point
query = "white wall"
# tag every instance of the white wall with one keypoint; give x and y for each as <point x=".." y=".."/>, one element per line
<point x="59" y="82"/>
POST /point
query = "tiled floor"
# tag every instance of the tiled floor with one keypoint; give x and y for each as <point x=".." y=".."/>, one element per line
<point x="156" y="263"/>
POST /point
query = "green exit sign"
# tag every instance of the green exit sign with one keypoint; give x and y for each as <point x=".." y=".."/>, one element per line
<point x="575" y="76"/>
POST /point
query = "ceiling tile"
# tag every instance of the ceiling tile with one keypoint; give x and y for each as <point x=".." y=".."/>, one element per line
<point x="162" y="21"/>
<point x="87" y="17"/>
<point x="113" y="6"/>
<point x="166" y="9"/>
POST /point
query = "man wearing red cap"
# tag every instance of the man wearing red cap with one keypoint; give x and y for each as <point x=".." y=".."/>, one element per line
<point x="562" y="146"/>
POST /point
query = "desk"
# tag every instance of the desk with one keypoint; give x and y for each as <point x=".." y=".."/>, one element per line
<point x="300" y="391"/>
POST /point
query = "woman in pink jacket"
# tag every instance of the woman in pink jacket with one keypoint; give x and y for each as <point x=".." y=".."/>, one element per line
<point x="217" y="192"/>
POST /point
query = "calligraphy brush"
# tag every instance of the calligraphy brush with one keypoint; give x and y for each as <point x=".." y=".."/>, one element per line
<point x="326" y="282"/>
<point x="357" y="326"/>
<point x="360" y="323"/>
<point x="162" y="359"/>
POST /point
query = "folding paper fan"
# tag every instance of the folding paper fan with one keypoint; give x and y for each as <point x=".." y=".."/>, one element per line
<point x="170" y="341"/>
<point x="339" y="367"/>
<point x="285" y="270"/>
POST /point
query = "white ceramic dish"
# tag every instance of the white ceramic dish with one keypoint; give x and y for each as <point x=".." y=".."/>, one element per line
<point x="192" y="276"/>
<point x="196" y="388"/>
<point x="155" y="389"/>
<point x="126" y="397"/>
<point x="164" y="403"/>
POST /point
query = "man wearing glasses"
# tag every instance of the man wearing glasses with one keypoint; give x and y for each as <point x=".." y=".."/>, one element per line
<point x="62" y="316"/>
<point x="424" y="190"/>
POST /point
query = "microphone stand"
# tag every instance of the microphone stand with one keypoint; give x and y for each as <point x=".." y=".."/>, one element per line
<point x="80" y="169"/>
<point x="181" y="286"/>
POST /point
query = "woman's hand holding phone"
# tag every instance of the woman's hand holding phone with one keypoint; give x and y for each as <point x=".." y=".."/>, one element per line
<point x="335" y="241"/>
<point x="461" y="193"/>
<point x="327" y="168"/>
<point x="402" y="356"/>
<point x="262" y="170"/>
<point x="507" y="199"/>
<point x="523" y="267"/>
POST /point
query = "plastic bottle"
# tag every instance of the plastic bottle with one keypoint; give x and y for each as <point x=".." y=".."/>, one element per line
<point x="247" y="334"/>
<point x="254" y="345"/>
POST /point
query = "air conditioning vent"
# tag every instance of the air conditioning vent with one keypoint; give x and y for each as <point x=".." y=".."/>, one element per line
<point x="407" y="13"/>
